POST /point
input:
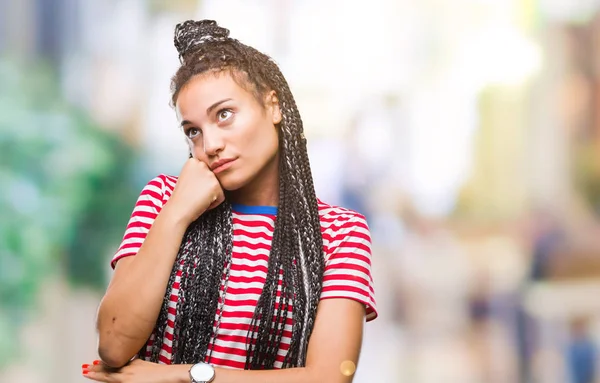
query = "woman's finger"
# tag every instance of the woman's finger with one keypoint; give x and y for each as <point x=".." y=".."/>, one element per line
<point x="98" y="371"/>
<point x="104" y="376"/>
<point x="107" y="377"/>
<point x="217" y="200"/>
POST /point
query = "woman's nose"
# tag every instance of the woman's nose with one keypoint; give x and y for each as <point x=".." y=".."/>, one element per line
<point x="213" y="143"/>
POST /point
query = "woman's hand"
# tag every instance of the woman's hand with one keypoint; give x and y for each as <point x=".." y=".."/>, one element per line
<point x="136" y="371"/>
<point x="197" y="190"/>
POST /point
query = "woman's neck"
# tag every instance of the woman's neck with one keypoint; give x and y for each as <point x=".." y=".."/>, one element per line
<point x="263" y="190"/>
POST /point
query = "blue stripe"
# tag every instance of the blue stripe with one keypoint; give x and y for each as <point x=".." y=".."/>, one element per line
<point x="245" y="209"/>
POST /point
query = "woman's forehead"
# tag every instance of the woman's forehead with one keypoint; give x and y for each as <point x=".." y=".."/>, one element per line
<point x="208" y="88"/>
<point x="202" y="91"/>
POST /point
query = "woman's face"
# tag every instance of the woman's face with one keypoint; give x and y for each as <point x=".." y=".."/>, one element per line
<point x="228" y="128"/>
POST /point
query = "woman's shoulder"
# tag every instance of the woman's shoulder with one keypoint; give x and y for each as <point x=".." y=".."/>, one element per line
<point x="345" y="232"/>
<point x="329" y="214"/>
<point x="158" y="189"/>
<point x="163" y="182"/>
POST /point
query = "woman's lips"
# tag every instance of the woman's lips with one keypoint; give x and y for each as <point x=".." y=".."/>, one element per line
<point x="222" y="165"/>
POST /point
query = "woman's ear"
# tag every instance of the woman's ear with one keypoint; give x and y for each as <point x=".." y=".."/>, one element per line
<point x="272" y="103"/>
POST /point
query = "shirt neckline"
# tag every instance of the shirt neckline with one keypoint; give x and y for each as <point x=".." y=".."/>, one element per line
<point x="247" y="209"/>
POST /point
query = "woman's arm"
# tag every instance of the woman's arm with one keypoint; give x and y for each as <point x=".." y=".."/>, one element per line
<point x="332" y="357"/>
<point x="128" y="312"/>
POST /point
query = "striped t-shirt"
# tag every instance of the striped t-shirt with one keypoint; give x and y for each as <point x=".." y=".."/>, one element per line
<point x="346" y="248"/>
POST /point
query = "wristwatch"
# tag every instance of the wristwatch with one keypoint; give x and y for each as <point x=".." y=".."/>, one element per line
<point x="202" y="373"/>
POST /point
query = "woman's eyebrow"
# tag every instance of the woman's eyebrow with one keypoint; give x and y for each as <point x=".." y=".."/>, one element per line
<point x="213" y="106"/>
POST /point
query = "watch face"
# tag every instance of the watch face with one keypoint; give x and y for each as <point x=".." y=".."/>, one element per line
<point x="202" y="372"/>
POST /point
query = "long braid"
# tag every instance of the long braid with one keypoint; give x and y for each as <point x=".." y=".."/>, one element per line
<point x="205" y="250"/>
<point x="214" y="237"/>
<point x="296" y="262"/>
<point x="310" y="270"/>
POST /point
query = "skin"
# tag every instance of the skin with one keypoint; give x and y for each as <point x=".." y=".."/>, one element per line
<point x="222" y="120"/>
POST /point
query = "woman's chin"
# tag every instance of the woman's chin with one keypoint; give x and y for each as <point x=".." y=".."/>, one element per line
<point x="229" y="183"/>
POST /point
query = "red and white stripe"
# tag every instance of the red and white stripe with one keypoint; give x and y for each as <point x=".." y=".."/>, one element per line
<point x="347" y="251"/>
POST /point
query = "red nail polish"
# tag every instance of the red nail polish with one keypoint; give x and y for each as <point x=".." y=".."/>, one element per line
<point x="97" y="362"/>
<point x="85" y="366"/>
<point x="85" y="372"/>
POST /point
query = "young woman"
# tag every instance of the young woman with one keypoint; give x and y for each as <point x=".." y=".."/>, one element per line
<point x="234" y="271"/>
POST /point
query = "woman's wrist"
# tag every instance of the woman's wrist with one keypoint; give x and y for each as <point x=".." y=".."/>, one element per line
<point x="175" y="218"/>
<point x="182" y="373"/>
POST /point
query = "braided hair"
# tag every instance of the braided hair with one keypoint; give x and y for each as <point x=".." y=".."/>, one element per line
<point x="296" y="262"/>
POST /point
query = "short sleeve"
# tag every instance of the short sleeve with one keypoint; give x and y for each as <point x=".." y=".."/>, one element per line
<point x="145" y="211"/>
<point x="348" y="265"/>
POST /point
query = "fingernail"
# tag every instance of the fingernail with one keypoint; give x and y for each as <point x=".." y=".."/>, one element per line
<point x="85" y="366"/>
<point x="85" y="372"/>
<point x="97" y="362"/>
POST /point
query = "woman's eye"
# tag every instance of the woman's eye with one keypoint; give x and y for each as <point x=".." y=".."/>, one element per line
<point x="192" y="132"/>
<point x="224" y="114"/>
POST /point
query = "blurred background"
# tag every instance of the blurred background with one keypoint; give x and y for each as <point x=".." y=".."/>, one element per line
<point x="467" y="131"/>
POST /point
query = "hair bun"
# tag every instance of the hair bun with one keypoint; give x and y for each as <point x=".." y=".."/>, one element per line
<point x="190" y="34"/>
